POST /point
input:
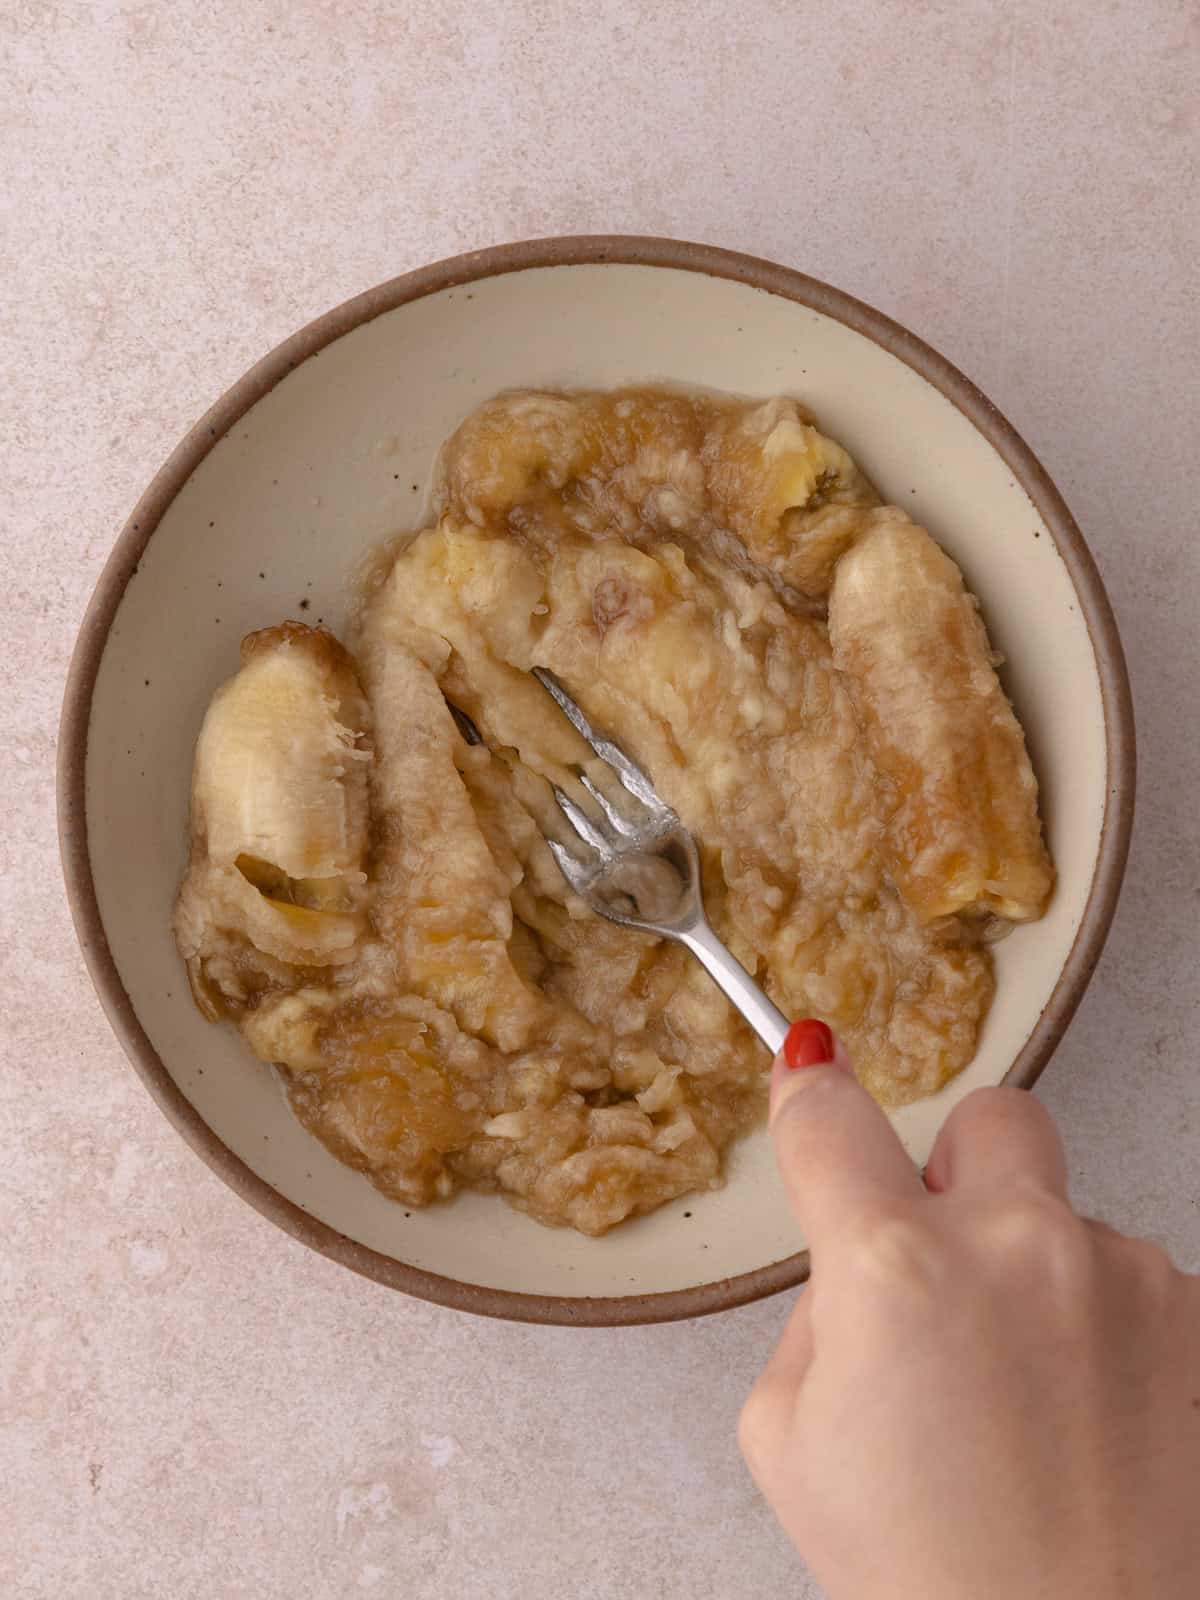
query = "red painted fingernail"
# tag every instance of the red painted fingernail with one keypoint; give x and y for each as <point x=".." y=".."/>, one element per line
<point x="808" y="1044"/>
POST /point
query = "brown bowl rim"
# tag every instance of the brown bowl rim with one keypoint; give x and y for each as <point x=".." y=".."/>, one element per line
<point x="579" y="250"/>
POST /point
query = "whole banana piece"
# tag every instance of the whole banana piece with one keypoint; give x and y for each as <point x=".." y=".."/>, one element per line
<point x="276" y="878"/>
<point x="962" y="832"/>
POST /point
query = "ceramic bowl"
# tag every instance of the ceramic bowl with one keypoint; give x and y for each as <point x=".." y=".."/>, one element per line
<point x="323" y="450"/>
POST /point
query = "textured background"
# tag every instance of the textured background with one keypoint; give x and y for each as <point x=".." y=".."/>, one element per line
<point x="191" y="1404"/>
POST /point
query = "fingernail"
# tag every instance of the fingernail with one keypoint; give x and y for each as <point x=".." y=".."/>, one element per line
<point x="808" y="1044"/>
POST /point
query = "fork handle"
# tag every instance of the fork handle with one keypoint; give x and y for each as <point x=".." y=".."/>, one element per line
<point x="768" y="1022"/>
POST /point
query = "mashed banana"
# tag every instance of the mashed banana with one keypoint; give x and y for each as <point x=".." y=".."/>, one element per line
<point x="800" y="669"/>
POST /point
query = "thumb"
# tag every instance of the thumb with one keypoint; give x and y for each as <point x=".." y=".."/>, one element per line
<point x="842" y="1164"/>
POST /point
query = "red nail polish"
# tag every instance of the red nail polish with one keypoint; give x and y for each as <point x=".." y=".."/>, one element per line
<point x="808" y="1044"/>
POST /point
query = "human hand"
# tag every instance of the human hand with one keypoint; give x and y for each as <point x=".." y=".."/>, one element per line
<point x="980" y="1395"/>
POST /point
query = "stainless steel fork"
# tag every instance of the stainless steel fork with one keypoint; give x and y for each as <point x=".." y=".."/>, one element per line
<point x="639" y="867"/>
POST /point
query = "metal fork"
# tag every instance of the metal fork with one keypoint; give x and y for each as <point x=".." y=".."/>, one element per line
<point x="642" y="870"/>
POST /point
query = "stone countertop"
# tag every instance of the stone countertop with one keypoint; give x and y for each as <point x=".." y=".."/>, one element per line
<point x="192" y="1404"/>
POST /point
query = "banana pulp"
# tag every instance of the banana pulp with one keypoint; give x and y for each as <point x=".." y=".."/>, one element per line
<point x="372" y="901"/>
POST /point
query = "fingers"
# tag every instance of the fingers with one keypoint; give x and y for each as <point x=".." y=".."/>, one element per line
<point x="789" y="1363"/>
<point x="996" y="1138"/>
<point x="766" y="1418"/>
<point x="842" y="1164"/>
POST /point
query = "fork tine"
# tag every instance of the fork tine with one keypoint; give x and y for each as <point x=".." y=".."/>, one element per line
<point x="464" y="724"/>
<point x="630" y="774"/>
<point x="587" y="830"/>
<point x="615" y="820"/>
<point x="573" y="871"/>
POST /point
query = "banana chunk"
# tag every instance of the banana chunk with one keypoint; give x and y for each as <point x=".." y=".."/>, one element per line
<point x="548" y="466"/>
<point x="955" y="783"/>
<point x="276" y="877"/>
<point x="794" y="497"/>
<point x="442" y="902"/>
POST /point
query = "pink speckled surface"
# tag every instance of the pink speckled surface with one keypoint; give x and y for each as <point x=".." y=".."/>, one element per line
<point x="191" y="1404"/>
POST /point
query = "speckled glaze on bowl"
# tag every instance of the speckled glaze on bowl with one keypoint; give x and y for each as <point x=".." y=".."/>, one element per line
<point x="323" y="450"/>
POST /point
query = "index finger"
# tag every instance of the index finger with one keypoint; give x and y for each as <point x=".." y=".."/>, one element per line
<point x="842" y="1164"/>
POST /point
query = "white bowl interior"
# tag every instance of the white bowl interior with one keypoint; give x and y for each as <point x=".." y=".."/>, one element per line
<point x="336" y="458"/>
